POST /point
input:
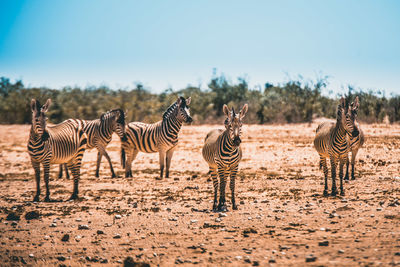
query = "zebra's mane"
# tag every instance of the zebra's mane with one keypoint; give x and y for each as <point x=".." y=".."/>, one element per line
<point x="171" y="108"/>
<point x="121" y="118"/>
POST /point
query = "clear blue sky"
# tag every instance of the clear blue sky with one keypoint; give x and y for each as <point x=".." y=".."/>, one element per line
<point x="175" y="43"/>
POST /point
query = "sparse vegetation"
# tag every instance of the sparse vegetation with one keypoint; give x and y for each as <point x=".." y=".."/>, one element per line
<point x="290" y="102"/>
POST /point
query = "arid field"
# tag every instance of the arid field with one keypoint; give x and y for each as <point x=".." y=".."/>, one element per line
<point x="282" y="219"/>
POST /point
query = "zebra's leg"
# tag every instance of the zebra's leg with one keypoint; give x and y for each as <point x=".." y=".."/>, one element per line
<point x="46" y="170"/>
<point x="128" y="163"/>
<point x="324" y="167"/>
<point x="75" y="170"/>
<point x="214" y="176"/>
<point x="333" y="173"/>
<point x="104" y="152"/>
<point x="234" y="171"/>
<point x="169" y="158"/>
<point x="162" y="162"/>
<point x="60" y="171"/>
<point x="341" y="165"/>
<point x="66" y="170"/>
<point x="353" y="161"/>
<point x="36" y="167"/>
<point x="99" y="155"/>
<point x="346" y="177"/>
<point x="222" y="173"/>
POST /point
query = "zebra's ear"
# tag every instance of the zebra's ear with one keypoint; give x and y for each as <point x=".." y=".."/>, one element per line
<point x="33" y="105"/>
<point x="188" y="101"/>
<point x="343" y="102"/>
<point x="46" y="106"/>
<point x="243" y="111"/>
<point x="179" y="101"/>
<point x="226" y="110"/>
<point x="356" y="104"/>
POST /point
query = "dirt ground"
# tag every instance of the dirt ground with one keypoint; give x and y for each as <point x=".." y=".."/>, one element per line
<point x="282" y="220"/>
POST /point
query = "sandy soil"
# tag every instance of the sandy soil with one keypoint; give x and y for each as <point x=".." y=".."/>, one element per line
<point x="282" y="220"/>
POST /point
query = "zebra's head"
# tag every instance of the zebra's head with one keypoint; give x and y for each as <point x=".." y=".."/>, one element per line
<point x="117" y="120"/>
<point x="233" y="123"/>
<point x="347" y="116"/>
<point x="183" y="110"/>
<point x="39" y="116"/>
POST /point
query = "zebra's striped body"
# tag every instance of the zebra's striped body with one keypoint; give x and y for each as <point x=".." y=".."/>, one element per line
<point x="355" y="144"/>
<point x="222" y="152"/>
<point x="161" y="137"/>
<point x="62" y="143"/>
<point x="332" y="141"/>
<point x="99" y="133"/>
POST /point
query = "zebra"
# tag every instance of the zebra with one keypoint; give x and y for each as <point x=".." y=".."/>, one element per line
<point x="161" y="137"/>
<point x="333" y="140"/>
<point x="355" y="143"/>
<point x="222" y="152"/>
<point x="61" y="143"/>
<point x="99" y="134"/>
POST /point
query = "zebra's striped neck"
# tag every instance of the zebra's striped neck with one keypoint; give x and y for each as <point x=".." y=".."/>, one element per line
<point x="227" y="142"/>
<point x="339" y="138"/>
<point x="35" y="138"/>
<point x="172" y="126"/>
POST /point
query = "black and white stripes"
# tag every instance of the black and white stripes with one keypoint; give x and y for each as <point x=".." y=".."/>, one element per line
<point x="62" y="143"/>
<point x="99" y="133"/>
<point x="333" y="140"/>
<point x="159" y="137"/>
<point x="222" y="152"/>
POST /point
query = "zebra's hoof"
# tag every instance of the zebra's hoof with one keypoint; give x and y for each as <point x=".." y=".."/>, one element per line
<point x="353" y="178"/>
<point x="73" y="197"/>
<point x="222" y="208"/>
<point x="342" y="193"/>
<point x="113" y="176"/>
<point x="334" y="193"/>
<point x="96" y="175"/>
<point x="325" y="193"/>
<point x="48" y="199"/>
<point x="36" y="198"/>
<point x="346" y="178"/>
<point x="234" y="207"/>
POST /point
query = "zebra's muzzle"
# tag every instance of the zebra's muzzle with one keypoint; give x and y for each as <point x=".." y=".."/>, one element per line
<point x="237" y="141"/>
<point x="189" y="120"/>
<point x="355" y="133"/>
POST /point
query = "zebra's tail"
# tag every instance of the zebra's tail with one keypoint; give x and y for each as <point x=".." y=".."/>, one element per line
<point x="123" y="157"/>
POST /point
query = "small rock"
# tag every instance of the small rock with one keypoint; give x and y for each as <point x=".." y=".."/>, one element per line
<point x="117" y="236"/>
<point x="13" y="217"/>
<point x="31" y="255"/>
<point x="100" y="232"/>
<point x="31" y="215"/>
<point x="238" y="257"/>
<point x="78" y="238"/>
<point x="340" y="251"/>
<point x="118" y="216"/>
<point x="53" y="225"/>
<point x="65" y="238"/>
<point x="83" y="227"/>
<point x="173" y="219"/>
<point x="217" y="220"/>
<point x="222" y="214"/>
<point x="323" y="243"/>
<point x="78" y="219"/>
<point x="61" y="258"/>
<point x="272" y="260"/>
<point x="193" y="221"/>
<point x="311" y="258"/>
<point x="46" y="237"/>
